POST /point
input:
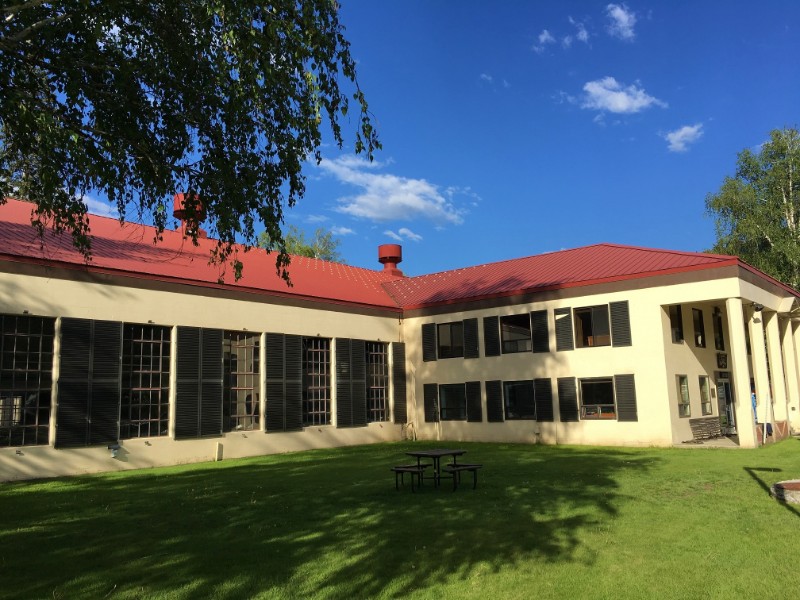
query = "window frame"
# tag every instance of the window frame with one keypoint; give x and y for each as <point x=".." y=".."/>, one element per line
<point x="245" y="381"/>
<point x="684" y="397"/>
<point x="699" y="325"/>
<point x="506" y="328"/>
<point x="706" y="406"/>
<point x="675" y="314"/>
<point x="590" y="339"/>
<point x="450" y="350"/>
<point x="459" y="412"/>
<point x="316" y="381"/>
<point x="719" y="329"/>
<point x="597" y="411"/>
<point x="527" y="383"/>
<point x="377" y="365"/>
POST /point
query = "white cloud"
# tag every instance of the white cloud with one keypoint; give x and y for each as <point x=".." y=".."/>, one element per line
<point x="486" y="77"/>
<point x="566" y="41"/>
<point x="98" y="207"/>
<point x="384" y="197"/>
<point x="583" y="34"/>
<point x="621" y="22"/>
<point x="544" y="38"/>
<point x="316" y="219"/>
<point x="608" y="94"/>
<point x="680" y="139"/>
<point x="342" y="231"/>
<point x="506" y="84"/>
<point x="403" y="234"/>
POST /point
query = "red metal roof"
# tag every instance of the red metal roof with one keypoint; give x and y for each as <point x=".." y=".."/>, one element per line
<point x="588" y="265"/>
<point x="129" y="250"/>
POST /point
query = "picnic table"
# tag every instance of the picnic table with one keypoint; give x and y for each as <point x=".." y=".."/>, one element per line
<point x="436" y="455"/>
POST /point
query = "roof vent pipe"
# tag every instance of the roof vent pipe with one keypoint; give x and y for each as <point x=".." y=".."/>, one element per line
<point x="390" y="255"/>
<point x="189" y="217"/>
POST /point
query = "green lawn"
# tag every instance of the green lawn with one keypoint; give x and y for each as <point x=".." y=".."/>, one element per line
<point x="545" y="522"/>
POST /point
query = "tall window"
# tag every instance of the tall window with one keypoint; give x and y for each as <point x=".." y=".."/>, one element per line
<point x="597" y="398"/>
<point x="144" y="408"/>
<point x="453" y="402"/>
<point x="684" y="405"/>
<point x="316" y="381"/>
<point x="377" y="381"/>
<point x="515" y="332"/>
<point x="26" y="370"/>
<point x="705" y="396"/>
<point x="450" y="337"/>
<point x="676" y="323"/>
<point x="241" y="384"/>
<point x="592" y="326"/>
<point x="719" y="335"/>
<point x="519" y="400"/>
<point x="699" y="328"/>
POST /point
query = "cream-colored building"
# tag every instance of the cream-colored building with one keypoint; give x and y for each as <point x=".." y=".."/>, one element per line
<point x="148" y="355"/>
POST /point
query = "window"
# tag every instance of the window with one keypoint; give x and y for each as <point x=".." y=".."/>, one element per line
<point x="144" y="408"/>
<point x="705" y="396"/>
<point x="699" y="328"/>
<point x="597" y="398"/>
<point x="592" y="327"/>
<point x="377" y="381"/>
<point x="719" y="336"/>
<point x="515" y="332"/>
<point x="451" y="339"/>
<point x="519" y="400"/>
<point x="453" y="402"/>
<point x="241" y="394"/>
<point x="316" y="381"/>
<point x="676" y="323"/>
<point x="684" y="406"/>
<point x="26" y="365"/>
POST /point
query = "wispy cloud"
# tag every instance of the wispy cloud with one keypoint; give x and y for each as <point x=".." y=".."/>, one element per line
<point x="582" y="35"/>
<point x="609" y="95"/>
<point x="385" y="197"/>
<point x="316" y="219"/>
<point x="621" y="22"/>
<point x="403" y="234"/>
<point x="486" y="77"/>
<point x="545" y="38"/>
<point x="680" y="139"/>
<point x="342" y="230"/>
<point x="98" y="207"/>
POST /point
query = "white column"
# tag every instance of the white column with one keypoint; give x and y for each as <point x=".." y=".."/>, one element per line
<point x="741" y="374"/>
<point x="759" y="354"/>
<point x="778" y="410"/>
<point x="793" y="341"/>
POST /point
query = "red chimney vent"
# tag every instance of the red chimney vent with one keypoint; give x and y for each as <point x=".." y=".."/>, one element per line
<point x="390" y="255"/>
<point x="181" y="211"/>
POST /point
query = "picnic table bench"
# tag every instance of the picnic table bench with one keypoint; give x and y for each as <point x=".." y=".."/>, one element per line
<point x="413" y="471"/>
<point x="456" y="469"/>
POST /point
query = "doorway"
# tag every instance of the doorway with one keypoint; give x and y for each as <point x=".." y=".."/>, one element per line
<point x="727" y="414"/>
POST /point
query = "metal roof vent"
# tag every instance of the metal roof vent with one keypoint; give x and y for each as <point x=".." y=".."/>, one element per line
<point x="390" y="255"/>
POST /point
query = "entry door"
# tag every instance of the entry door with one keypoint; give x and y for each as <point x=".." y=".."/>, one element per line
<point x="725" y="398"/>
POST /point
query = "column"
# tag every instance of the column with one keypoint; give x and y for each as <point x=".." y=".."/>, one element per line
<point x="741" y="374"/>
<point x="778" y="410"/>
<point x="759" y="354"/>
<point x="793" y="341"/>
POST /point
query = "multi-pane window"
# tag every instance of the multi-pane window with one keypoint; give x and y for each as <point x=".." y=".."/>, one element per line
<point x="705" y="396"/>
<point x="519" y="400"/>
<point x="453" y="402"/>
<point x="719" y="335"/>
<point x="676" y="323"/>
<point x="316" y="381"/>
<point x="592" y="326"/>
<point x="515" y="332"/>
<point x="144" y="407"/>
<point x="699" y="328"/>
<point x="450" y="338"/>
<point x="26" y="365"/>
<point x="684" y="405"/>
<point x="377" y="381"/>
<point x="597" y="398"/>
<point x="240" y="407"/>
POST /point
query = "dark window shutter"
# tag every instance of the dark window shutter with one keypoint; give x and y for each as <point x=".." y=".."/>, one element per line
<point x="187" y="392"/>
<point x="563" y="318"/>
<point x="491" y="336"/>
<point x="567" y="399"/>
<point x="72" y="416"/>
<point x="429" y="342"/>
<point x="294" y="382"/>
<point x="494" y="401"/>
<point x="399" y="382"/>
<point x="359" y="378"/>
<point x="430" y="392"/>
<point x="620" y="324"/>
<point x="344" y="392"/>
<point x="625" y="389"/>
<point x="471" y="349"/>
<point x="211" y="382"/>
<point x="543" y="392"/>
<point x="541" y="337"/>
<point x="276" y="387"/>
<point x="106" y="380"/>
<point x="474" y="408"/>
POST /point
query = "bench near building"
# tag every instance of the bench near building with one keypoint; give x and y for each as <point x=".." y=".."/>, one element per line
<point x="145" y="356"/>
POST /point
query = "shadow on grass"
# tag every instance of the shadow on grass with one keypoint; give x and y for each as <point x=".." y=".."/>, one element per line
<point x="327" y="524"/>
<point x="755" y="472"/>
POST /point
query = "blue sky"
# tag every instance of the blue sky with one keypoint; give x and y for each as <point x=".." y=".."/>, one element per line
<point x="516" y="128"/>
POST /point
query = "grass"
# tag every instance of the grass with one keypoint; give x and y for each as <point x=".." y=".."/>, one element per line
<point x="545" y="522"/>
